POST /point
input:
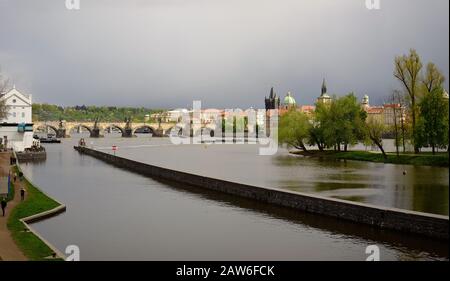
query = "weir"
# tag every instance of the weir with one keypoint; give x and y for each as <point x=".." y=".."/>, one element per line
<point x="431" y="225"/>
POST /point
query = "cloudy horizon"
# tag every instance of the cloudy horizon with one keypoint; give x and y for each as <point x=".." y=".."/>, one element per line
<point x="226" y="53"/>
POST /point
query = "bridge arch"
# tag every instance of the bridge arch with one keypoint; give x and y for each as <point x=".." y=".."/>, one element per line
<point x="46" y="126"/>
<point x="113" y="126"/>
<point x="78" y="126"/>
<point x="152" y="130"/>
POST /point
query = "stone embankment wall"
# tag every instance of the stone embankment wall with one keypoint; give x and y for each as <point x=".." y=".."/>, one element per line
<point x="431" y="225"/>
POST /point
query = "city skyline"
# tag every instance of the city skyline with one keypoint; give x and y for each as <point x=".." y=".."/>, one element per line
<point x="225" y="53"/>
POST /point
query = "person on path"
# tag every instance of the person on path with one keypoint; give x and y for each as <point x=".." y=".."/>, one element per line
<point x="4" y="204"/>
<point x="22" y="194"/>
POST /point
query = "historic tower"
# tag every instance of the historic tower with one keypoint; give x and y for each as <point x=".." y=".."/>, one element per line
<point x="272" y="102"/>
<point x="324" y="97"/>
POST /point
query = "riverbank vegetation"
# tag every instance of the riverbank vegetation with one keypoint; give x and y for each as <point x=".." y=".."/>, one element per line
<point x="3" y="87"/>
<point x="427" y="159"/>
<point x="36" y="202"/>
<point x="51" y="112"/>
<point x="420" y="118"/>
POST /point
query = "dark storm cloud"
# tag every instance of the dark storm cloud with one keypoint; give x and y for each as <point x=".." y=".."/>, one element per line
<point x="227" y="53"/>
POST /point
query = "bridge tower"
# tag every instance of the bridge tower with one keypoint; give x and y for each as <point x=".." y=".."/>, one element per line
<point x="95" y="132"/>
<point x="61" y="131"/>
<point x="128" y="130"/>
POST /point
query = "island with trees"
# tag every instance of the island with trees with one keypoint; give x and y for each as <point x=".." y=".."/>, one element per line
<point x="335" y="126"/>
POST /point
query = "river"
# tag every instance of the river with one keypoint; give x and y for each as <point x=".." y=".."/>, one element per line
<point x="115" y="214"/>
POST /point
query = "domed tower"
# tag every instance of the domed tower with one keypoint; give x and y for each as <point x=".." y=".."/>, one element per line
<point x="289" y="101"/>
<point x="365" y="101"/>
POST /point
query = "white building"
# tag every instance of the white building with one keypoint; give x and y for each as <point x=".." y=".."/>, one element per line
<point x="176" y="114"/>
<point x="17" y="127"/>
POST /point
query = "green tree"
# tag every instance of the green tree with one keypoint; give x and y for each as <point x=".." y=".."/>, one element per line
<point x="374" y="131"/>
<point x="434" y="120"/>
<point x="407" y="70"/>
<point x="316" y="135"/>
<point x="50" y="112"/>
<point x="338" y="123"/>
<point x="433" y="78"/>
<point x="3" y="87"/>
<point x="293" y="129"/>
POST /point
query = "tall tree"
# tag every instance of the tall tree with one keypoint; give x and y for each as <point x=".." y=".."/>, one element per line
<point x="342" y="121"/>
<point x="396" y="108"/>
<point x="434" y="120"/>
<point x="3" y="87"/>
<point x="407" y="71"/>
<point x="433" y="78"/>
<point x="293" y="129"/>
<point x="375" y="129"/>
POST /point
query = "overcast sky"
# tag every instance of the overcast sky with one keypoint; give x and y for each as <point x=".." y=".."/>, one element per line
<point x="227" y="53"/>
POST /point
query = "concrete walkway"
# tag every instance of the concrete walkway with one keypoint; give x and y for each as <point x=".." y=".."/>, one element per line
<point x="8" y="248"/>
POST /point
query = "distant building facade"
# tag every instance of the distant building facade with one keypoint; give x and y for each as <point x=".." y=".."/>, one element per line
<point x="16" y="129"/>
<point x="387" y="113"/>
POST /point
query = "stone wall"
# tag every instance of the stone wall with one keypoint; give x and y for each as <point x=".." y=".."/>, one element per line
<point x="31" y="156"/>
<point x="390" y="218"/>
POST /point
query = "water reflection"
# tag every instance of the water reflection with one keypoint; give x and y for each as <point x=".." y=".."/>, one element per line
<point x="416" y="245"/>
<point x="422" y="188"/>
<point x="115" y="214"/>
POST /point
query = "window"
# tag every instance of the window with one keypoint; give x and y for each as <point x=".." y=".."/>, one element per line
<point x="23" y="114"/>
<point x="14" y="100"/>
<point x="14" y="114"/>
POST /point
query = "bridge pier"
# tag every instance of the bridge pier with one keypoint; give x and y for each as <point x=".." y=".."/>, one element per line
<point x="127" y="133"/>
<point x="95" y="133"/>
<point x="61" y="133"/>
<point x="158" y="133"/>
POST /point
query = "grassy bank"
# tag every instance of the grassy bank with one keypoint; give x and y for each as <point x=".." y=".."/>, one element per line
<point x="35" y="202"/>
<point x="426" y="159"/>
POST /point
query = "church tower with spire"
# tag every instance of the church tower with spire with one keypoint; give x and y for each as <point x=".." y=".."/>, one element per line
<point x="324" y="87"/>
<point x="272" y="102"/>
<point x="324" y="97"/>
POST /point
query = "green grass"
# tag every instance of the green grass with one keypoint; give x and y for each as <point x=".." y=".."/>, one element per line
<point x="425" y="159"/>
<point x="35" y="202"/>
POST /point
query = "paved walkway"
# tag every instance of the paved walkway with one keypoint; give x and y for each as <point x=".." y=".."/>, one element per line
<point x="8" y="248"/>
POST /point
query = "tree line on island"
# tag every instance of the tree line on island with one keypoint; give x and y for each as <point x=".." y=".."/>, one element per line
<point x="51" y="112"/>
<point x="420" y="119"/>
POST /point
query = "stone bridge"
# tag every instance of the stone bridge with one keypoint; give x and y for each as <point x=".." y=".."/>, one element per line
<point x="63" y="129"/>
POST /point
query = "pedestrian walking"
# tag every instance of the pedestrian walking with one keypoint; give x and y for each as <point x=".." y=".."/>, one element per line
<point x="22" y="194"/>
<point x="4" y="204"/>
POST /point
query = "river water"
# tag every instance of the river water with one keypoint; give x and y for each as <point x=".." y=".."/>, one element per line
<point x="115" y="214"/>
